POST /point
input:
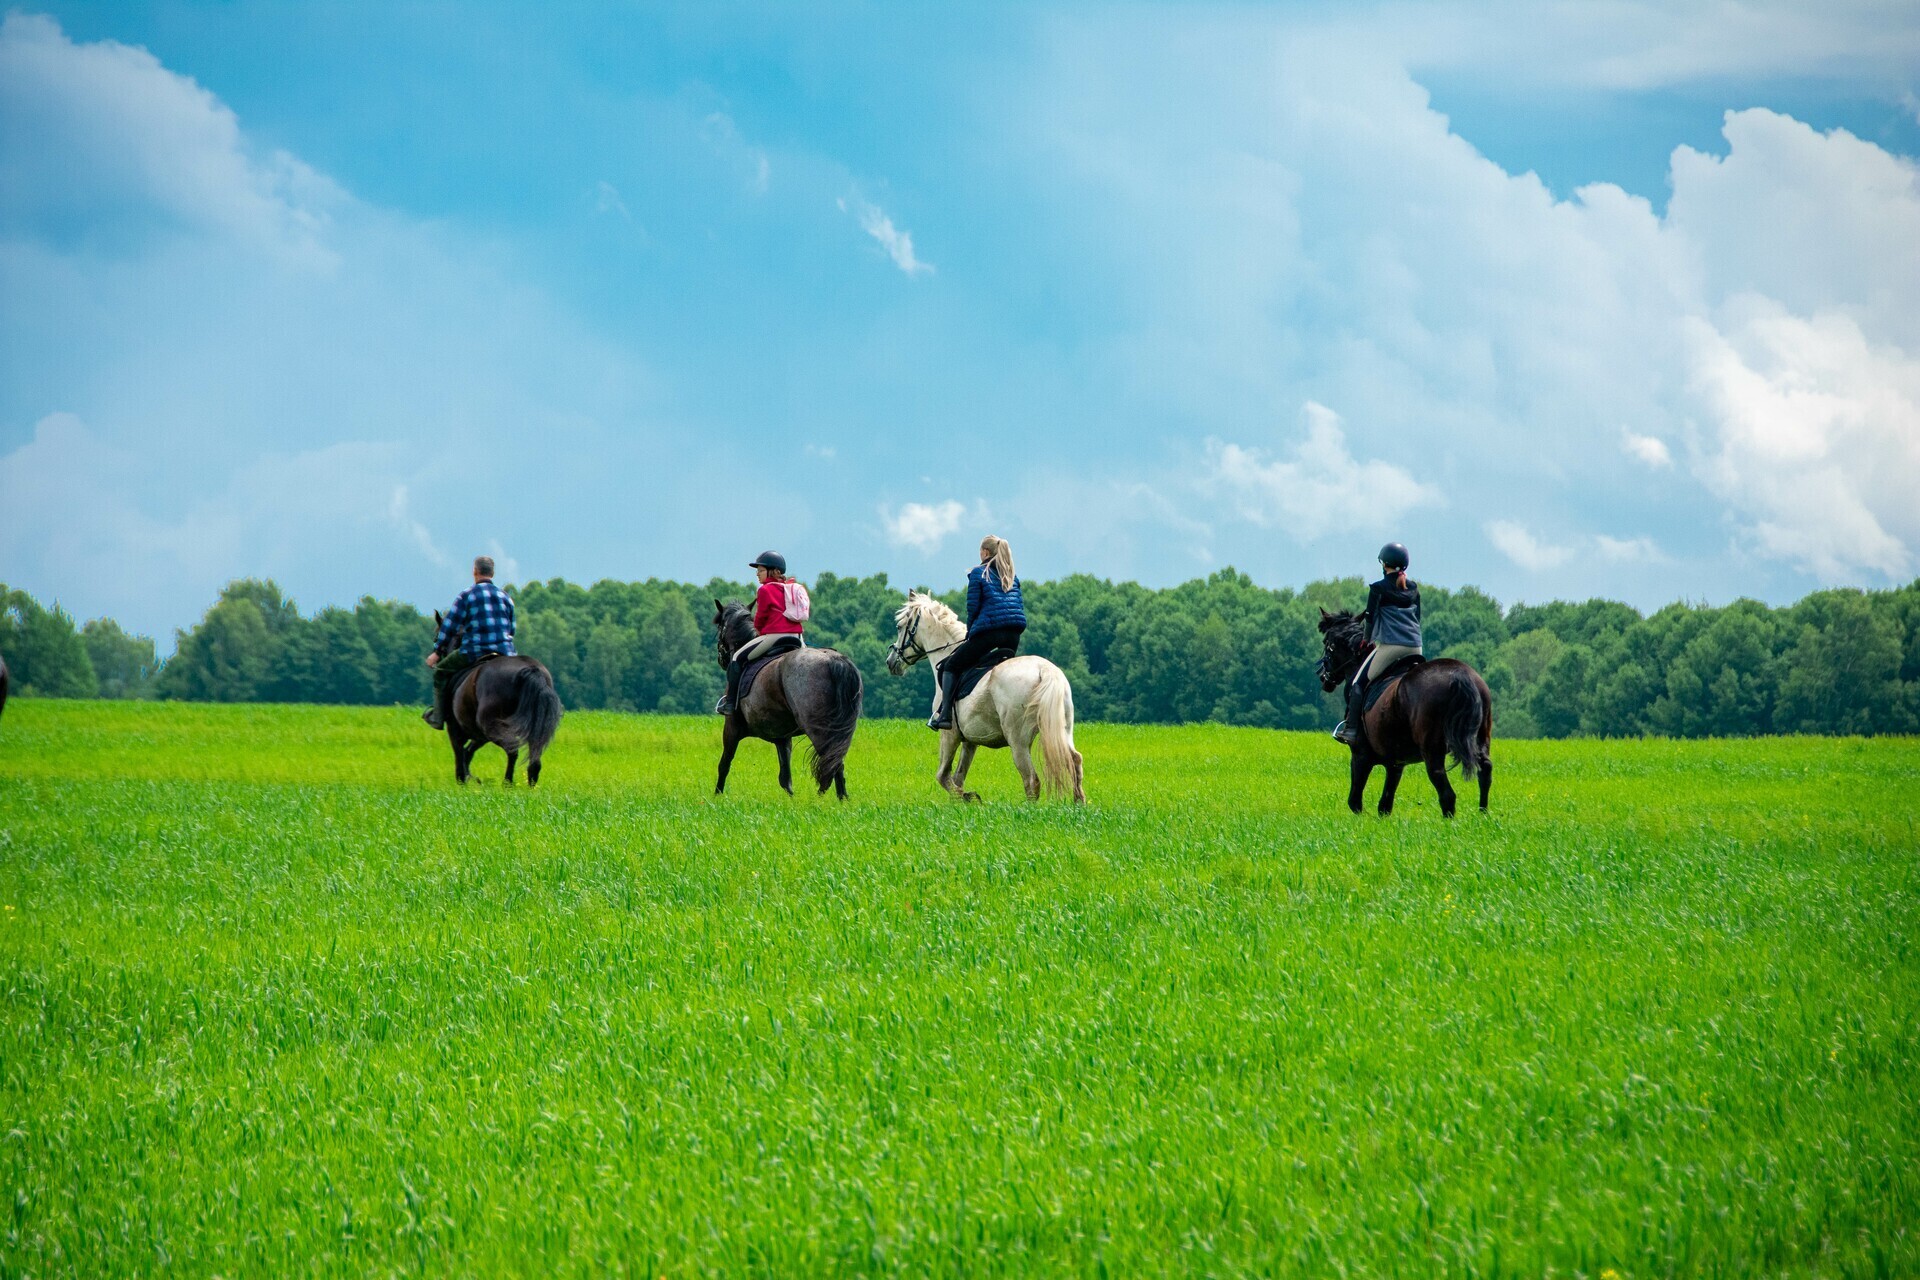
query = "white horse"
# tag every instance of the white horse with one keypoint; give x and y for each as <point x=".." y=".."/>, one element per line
<point x="1019" y="700"/>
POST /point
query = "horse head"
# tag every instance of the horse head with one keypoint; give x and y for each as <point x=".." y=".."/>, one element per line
<point x="1344" y="640"/>
<point x="439" y="647"/>
<point x="733" y="627"/>
<point x="926" y="627"/>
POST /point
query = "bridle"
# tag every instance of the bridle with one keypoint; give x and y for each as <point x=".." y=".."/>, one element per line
<point x="908" y="656"/>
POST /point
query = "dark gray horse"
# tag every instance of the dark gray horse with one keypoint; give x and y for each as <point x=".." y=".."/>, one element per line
<point x="509" y="702"/>
<point x="815" y="692"/>
<point x="3" y="684"/>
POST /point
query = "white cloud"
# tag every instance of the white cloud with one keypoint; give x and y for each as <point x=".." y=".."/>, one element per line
<point x="1519" y="544"/>
<point x="606" y="199"/>
<point x="824" y="452"/>
<point x="1319" y="488"/>
<point x="922" y="525"/>
<point x="898" y="244"/>
<point x="1289" y="219"/>
<point x="1628" y="550"/>
<point x="1651" y="450"/>
<point x="1818" y="437"/>
<point x="103" y="132"/>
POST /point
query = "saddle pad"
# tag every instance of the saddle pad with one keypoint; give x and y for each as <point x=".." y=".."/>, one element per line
<point x="971" y="678"/>
<point x="752" y="670"/>
<point x="1389" y="678"/>
<point x="469" y="672"/>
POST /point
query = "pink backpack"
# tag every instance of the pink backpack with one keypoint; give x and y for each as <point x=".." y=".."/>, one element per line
<point x="799" y="604"/>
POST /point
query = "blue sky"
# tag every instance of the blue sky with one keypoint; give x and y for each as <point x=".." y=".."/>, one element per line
<point x="1573" y="299"/>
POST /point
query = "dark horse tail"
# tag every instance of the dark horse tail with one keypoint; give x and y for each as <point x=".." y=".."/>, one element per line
<point x="1466" y="716"/>
<point x="536" y="708"/>
<point x="830" y="737"/>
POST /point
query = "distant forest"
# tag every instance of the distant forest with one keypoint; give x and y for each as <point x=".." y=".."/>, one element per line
<point x="1218" y="648"/>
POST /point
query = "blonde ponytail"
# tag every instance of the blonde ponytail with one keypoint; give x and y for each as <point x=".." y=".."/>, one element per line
<point x="1000" y="556"/>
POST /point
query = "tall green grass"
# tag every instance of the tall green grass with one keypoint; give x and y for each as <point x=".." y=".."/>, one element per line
<point x="279" y="998"/>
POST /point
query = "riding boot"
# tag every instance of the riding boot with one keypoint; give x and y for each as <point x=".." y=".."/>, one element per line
<point x="436" y="715"/>
<point x="1349" y="729"/>
<point x="943" y="716"/>
<point x="724" y="707"/>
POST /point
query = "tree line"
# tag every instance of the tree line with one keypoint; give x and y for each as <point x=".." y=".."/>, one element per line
<point x="1219" y="649"/>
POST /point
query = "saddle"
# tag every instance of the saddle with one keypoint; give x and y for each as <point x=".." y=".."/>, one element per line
<point x="1388" y="678"/>
<point x="970" y="678"/>
<point x="469" y="672"/>
<point x="748" y="673"/>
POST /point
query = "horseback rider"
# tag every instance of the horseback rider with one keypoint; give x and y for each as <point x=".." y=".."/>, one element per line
<point x="1392" y="621"/>
<point x="995" y="618"/>
<point x="482" y="617"/>
<point x="775" y="606"/>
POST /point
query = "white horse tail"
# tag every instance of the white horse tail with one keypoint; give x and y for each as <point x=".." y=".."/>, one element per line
<point x="1051" y="705"/>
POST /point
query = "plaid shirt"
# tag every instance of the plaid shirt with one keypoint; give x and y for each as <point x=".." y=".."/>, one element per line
<point x="482" y="616"/>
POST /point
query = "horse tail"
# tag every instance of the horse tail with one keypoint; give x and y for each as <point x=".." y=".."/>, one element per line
<point x="1467" y="721"/>
<point x="536" y="708"/>
<point x="829" y="738"/>
<point x="1051" y="705"/>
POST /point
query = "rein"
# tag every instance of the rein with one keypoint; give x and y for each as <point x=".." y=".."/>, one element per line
<point x="908" y="637"/>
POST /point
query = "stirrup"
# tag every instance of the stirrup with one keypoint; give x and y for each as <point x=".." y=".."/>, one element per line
<point x="724" y="707"/>
<point x="1343" y="735"/>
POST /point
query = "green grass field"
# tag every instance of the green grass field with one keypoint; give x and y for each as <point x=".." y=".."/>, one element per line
<point x="280" y="999"/>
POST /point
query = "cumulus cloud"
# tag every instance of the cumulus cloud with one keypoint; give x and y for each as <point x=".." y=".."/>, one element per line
<point x="1317" y="487"/>
<point x="1817" y="437"/>
<point x="1522" y="546"/>
<point x="1640" y="550"/>
<point x="1651" y="450"/>
<point x="898" y="244"/>
<point x="1304" y="225"/>
<point x="923" y="526"/>
<point x="99" y="135"/>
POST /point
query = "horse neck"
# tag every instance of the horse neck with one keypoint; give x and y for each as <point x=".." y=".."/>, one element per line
<point x="937" y="632"/>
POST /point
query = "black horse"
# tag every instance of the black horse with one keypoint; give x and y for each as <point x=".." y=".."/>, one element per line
<point x="509" y="702"/>
<point x="1436" y="708"/>
<point x="3" y="684"/>
<point x="815" y="692"/>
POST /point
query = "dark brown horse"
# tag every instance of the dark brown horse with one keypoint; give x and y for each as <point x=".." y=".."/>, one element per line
<point x="509" y="702"/>
<point x="1437" y="708"/>
<point x="811" y="692"/>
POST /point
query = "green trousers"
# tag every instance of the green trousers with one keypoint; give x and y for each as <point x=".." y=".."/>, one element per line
<point x="445" y="672"/>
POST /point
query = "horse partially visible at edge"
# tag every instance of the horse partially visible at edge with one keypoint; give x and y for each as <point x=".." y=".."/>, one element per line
<point x="1434" y="709"/>
<point x="508" y="701"/>
<point x="3" y="684"/>
<point x="815" y="693"/>
<point x="1021" y="699"/>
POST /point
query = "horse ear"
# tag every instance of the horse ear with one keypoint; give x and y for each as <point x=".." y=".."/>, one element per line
<point x="437" y="619"/>
<point x="1324" y="613"/>
<point x="718" y="610"/>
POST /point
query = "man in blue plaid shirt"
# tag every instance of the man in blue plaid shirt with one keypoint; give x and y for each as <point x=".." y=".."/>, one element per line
<point x="482" y="618"/>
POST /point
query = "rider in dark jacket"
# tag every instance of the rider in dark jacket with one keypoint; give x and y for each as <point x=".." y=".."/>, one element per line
<point x="1393" y="625"/>
<point x="995" y="618"/>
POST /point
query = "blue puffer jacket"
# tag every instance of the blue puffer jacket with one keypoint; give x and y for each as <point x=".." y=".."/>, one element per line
<point x="988" y="605"/>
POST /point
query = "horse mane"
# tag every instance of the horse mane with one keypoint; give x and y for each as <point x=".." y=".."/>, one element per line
<point x="1344" y="620"/>
<point x="930" y="605"/>
<point x="736" y="624"/>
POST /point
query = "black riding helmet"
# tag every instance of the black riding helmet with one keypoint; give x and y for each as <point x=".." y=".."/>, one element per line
<point x="770" y="560"/>
<point x="1394" y="556"/>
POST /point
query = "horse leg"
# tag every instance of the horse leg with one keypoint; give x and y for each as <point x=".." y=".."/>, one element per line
<point x="533" y="768"/>
<point x="783" y="747"/>
<point x="1486" y="782"/>
<point x="960" y="773"/>
<point x="1023" y="761"/>
<point x="1362" y="770"/>
<point x="459" y="746"/>
<point x="1436" y="758"/>
<point x="948" y="741"/>
<point x="1394" y="769"/>
<point x="729" y="743"/>
<point x="513" y="758"/>
<point x="1079" y="777"/>
<point x="840" y="783"/>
